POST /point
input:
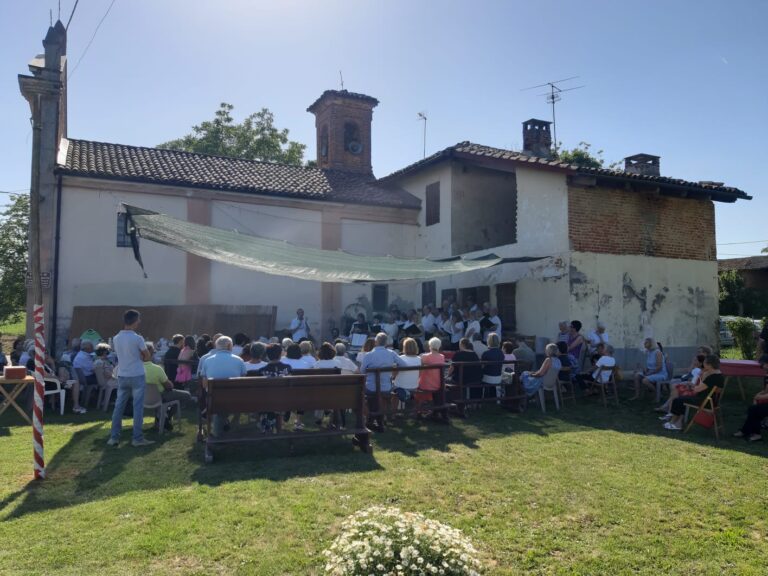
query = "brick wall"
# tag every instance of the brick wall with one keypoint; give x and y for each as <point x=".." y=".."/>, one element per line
<point x="615" y="221"/>
<point x="332" y="115"/>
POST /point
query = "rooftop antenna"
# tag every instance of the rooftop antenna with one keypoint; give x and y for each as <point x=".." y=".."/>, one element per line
<point x="341" y="78"/>
<point x="553" y="96"/>
<point x="423" y="116"/>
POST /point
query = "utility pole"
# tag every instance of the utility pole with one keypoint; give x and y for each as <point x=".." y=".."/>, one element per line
<point x="423" y="116"/>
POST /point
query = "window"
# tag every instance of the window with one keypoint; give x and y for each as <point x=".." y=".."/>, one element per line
<point x="433" y="204"/>
<point x="123" y="238"/>
<point x="448" y="295"/>
<point x="506" y="295"/>
<point x="428" y="294"/>
<point x="380" y="297"/>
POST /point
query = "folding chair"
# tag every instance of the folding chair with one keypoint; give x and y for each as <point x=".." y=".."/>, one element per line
<point x="154" y="401"/>
<point x="708" y="413"/>
<point x="609" y="387"/>
<point x="85" y="389"/>
<point x="567" y="384"/>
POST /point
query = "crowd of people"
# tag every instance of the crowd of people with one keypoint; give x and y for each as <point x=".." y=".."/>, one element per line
<point x="400" y="341"/>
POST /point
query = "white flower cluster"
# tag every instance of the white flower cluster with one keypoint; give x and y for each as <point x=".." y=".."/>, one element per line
<point x="385" y="541"/>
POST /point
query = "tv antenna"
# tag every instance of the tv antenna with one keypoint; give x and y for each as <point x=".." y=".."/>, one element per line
<point x="341" y="79"/>
<point x="423" y="116"/>
<point x="553" y="97"/>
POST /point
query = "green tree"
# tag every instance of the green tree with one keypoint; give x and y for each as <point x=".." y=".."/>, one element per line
<point x="256" y="138"/>
<point x="14" y="250"/>
<point x="581" y="155"/>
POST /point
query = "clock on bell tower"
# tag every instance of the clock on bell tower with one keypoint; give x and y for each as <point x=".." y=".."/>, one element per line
<point x="343" y="122"/>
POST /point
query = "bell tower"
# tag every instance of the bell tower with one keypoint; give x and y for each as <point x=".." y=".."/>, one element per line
<point x="343" y="123"/>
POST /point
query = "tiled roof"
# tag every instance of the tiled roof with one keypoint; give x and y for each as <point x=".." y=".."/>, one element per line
<point x="171" y="167"/>
<point x="469" y="150"/>
<point x="749" y="263"/>
<point x="343" y="94"/>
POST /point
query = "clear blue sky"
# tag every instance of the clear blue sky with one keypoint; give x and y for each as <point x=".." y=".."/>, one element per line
<point x="683" y="80"/>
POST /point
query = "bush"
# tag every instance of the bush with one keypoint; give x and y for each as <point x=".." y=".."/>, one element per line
<point x="743" y="330"/>
<point x="381" y="540"/>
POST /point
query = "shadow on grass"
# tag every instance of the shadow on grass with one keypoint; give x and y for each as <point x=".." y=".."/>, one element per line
<point x="86" y="470"/>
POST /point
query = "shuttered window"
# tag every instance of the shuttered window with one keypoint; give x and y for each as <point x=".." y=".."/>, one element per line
<point x="123" y="238"/>
<point x="428" y="293"/>
<point x="433" y="204"/>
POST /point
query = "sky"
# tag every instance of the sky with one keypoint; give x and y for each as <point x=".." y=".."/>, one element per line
<point x="684" y="80"/>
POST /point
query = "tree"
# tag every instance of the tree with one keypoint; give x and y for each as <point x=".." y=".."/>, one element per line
<point x="256" y="138"/>
<point x="581" y="156"/>
<point x="14" y="251"/>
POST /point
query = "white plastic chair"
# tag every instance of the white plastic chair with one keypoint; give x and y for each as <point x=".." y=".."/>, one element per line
<point x="53" y="387"/>
<point x="154" y="401"/>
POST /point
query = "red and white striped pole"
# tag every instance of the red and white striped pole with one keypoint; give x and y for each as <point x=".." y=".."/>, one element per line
<point x="37" y="414"/>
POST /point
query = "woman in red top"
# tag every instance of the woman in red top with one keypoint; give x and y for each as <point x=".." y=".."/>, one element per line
<point x="429" y="380"/>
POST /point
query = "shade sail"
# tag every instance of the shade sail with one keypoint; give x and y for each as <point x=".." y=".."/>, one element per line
<point x="284" y="259"/>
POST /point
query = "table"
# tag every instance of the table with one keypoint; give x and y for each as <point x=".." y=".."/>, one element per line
<point x="17" y="385"/>
<point x="741" y="369"/>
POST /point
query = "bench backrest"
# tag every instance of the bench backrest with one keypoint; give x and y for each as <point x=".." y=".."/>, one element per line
<point x="258" y="394"/>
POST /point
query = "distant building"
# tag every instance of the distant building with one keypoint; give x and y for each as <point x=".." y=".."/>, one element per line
<point x="632" y="248"/>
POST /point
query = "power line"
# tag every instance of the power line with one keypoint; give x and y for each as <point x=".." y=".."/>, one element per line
<point x="747" y="242"/>
<point x="19" y="191"/>
<point x="71" y="14"/>
<point x="91" y="40"/>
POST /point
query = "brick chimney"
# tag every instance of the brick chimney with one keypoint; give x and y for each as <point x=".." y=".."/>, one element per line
<point x="343" y="123"/>
<point x="642" y="164"/>
<point x="537" y="138"/>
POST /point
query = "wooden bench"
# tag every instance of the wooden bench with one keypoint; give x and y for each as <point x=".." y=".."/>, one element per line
<point x="288" y="393"/>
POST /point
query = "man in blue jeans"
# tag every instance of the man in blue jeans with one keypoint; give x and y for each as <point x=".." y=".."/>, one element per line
<point x="131" y="354"/>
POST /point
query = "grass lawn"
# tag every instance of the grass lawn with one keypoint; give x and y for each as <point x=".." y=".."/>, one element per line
<point x="587" y="490"/>
<point x="9" y="332"/>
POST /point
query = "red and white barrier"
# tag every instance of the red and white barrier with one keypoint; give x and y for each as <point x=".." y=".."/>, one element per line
<point x="37" y="413"/>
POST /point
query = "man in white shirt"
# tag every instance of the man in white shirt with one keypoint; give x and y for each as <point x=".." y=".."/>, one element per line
<point x="598" y="336"/>
<point x="605" y="361"/>
<point x="345" y="363"/>
<point x="131" y="379"/>
<point x="299" y="326"/>
<point x="474" y="325"/>
<point x="428" y="322"/>
<point x="493" y="318"/>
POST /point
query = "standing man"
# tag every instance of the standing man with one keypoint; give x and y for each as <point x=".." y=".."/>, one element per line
<point x="131" y="354"/>
<point x="428" y="321"/>
<point x="299" y="326"/>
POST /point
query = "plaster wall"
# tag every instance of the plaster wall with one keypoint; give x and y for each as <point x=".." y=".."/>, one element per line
<point x="94" y="271"/>
<point x="672" y="300"/>
<point x="232" y="285"/>
<point x="432" y="241"/>
<point x="379" y="239"/>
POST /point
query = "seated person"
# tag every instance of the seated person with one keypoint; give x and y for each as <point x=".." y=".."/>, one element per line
<point x="84" y="362"/>
<point x="757" y="412"/>
<point x="524" y="353"/>
<point x="683" y="388"/>
<point x="600" y="374"/>
<point x="509" y="356"/>
<point x="492" y="372"/>
<point x="307" y="353"/>
<point x="257" y="362"/>
<point x="478" y="346"/>
<point x="407" y="382"/>
<point x="471" y="375"/>
<point x="533" y="381"/>
<point x="710" y="376"/>
<point x="221" y="364"/>
<point x="655" y="369"/>
<point x="379" y="357"/>
<point x="293" y="358"/>
<point x="156" y="376"/>
<point x="275" y="368"/>
<point x="429" y="380"/>
<point x="567" y="361"/>
<point x="346" y="364"/>
<point x="597" y="336"/>
<point x="696" y="362"/>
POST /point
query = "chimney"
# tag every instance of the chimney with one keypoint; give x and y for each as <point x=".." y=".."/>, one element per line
<point x="343" y="123"/>
<point x="537" y="138"/>
<point x="642" y="164"/>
